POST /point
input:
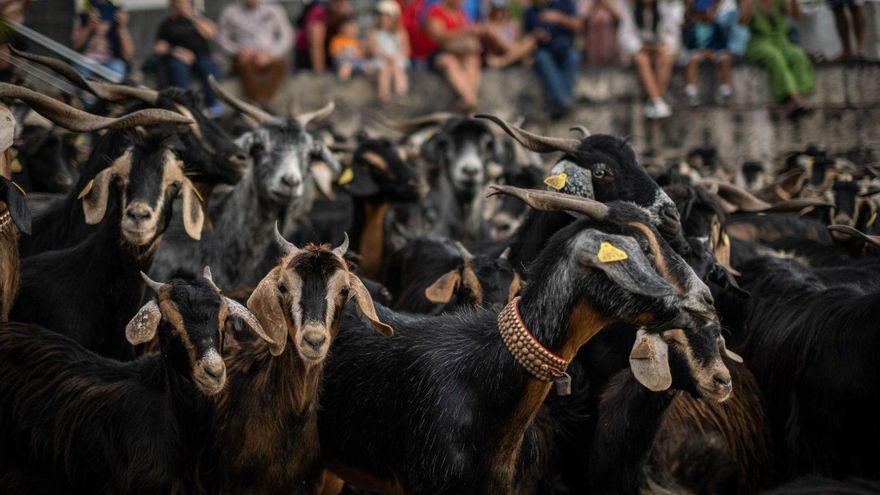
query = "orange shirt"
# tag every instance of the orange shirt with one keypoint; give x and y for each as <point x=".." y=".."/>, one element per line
<point x="345" y="47"/>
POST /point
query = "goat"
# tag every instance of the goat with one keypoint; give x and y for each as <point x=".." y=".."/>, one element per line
<point x="435" y="276"/>
<point x="241" y="240"/>
<point x="15" y="218"/>
<point x="46" y="157"/>
<point x="76" y="422"/>
<point x="443" y="405"/>
<point x="809" y="343"/>
<point x="95" y="285"/>
<point x="269" y="411"/>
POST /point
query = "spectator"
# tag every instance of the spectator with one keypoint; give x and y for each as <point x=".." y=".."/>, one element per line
<point x="857" y="14"/>
<point x="319" y="23"/>
<point x="506" y="43"/>
<point x="789" y="72"/>
<point x="389" y="43"/>
<point x="12" y="10"/>
<point x="650" y="34"/>
<point x="456" y="50"/>
<point x="347" y="52"/>
<point x="412" y="20"/>
<point x="705" y="40"/>
<point x="257" y="36"/>
<point x="100" y="32"/>
<point x="554" y="23"/>
<point x="601" y="20"/>
<point x="182" y="44"/>
<point x="473" y="9"/>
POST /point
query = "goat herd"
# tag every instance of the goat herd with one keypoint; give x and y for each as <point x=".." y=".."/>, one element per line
<point x="485" y="325"/>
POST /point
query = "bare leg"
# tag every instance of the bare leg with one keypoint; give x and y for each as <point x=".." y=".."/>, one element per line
<point x="724" y="63"/>
<point x="345" y="71"/>
<point x="842" y="30"/>
<point x="690" y="72"/>
<point x="642" y="63"/>
<point x="385" y="74"/>
<point x="274" y="75"/>
<point x="454" y="73"/>
<point x="664" y="61"/>
<point x="401" y="84"/>
<point x="857" y="12"/>
<point x="472" y="68"/>
<point x="518" y="51"/>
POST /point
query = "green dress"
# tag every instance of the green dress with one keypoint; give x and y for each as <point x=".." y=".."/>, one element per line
<point x="788" y="68"/>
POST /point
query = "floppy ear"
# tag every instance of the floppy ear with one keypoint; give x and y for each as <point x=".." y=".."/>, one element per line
<point x="365" y="305"/>
<point x="721" y="248"/>
<point x="265" y="304"/>
<point x="649" y="361"/>
<point x="622" y="260"/>
<point x="95" y="195"/>
<point x="515" y="286"/>
<point x="236" y="310"/>
<point x="730" y="354"/>
<point x="358" y="182"/>
<point x="16" y="204"/>
<point x="142" y="328"/>
<point x="193" y="216"/>
<point x="440" y="292"/>
<point x="323" y="177"/>
<point x="323" y="153"/>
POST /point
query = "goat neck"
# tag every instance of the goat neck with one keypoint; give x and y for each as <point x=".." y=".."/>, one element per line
<point x="369" y="234"/>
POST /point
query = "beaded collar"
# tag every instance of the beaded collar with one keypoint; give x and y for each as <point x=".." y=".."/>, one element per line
<point x="5" y="219"/>
<point x="528" y="352"/>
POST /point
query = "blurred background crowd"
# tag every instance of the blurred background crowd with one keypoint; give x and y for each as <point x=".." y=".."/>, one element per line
<point x="261" y="43"/>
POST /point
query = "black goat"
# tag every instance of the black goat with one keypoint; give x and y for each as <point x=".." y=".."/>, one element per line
<point x="95" y="287"/>
<point x="269" y="412"/>
<point x="443" y="406"/>
<point x="15" y="218"/>
<point x="47" y="157"/>
<point x="74" y="422"/>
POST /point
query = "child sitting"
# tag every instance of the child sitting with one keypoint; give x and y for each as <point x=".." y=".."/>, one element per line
<point x="389" y="45"/>
<point x="704" y="39"/>
<point x="346" y="50"/>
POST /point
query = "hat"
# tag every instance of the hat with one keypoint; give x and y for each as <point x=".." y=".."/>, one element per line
<point x="388" y="7"/>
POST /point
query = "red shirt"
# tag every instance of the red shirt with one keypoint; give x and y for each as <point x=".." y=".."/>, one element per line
<point x="452" y="21"/>
<point x="421" y="45"/>
<point x="317" y="14"/>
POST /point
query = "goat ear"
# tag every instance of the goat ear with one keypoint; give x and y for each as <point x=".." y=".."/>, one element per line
<point x="365" y="305"/>
<point x="95" y="195"/>
<point x="236" y="310"/>
<point x="622" y="260"/>
<point x="323" y="178"/>
<point x="193" y="216"/>
<point x="16" y="204"/>
<point x="649" y="361"/>
<point x="358" y="182"/>
<point x="265" y="304"/>
<point x="142" y="328"/>
<point x="721" y="248"/>
<point x="440" y="292"/>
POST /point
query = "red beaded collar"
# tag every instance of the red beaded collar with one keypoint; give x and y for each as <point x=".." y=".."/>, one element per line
<point x="528" y="352"/>
<point x="5" y="218"/>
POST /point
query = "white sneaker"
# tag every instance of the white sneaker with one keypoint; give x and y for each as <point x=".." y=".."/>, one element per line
<point x="692" y="95"/>
<point x="724" y="92"/>
<point x="663" y="109"/>
<point x="650" y="110"/>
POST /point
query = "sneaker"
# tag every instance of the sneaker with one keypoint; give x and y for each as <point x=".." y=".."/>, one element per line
<point x="724" y="93"/>
<point x="650" y="110"/>
<point x="692" y="95"/>
<point x="663" y="109"/>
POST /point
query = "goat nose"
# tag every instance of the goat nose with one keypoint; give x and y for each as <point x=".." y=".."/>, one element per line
<point x="722" y="380"/>
<point x="315" y="339"/>
<point x="471" y="171"/>
<point x="290" y="181"/>
<point x="138" y="214"/>
<point x="214" y="369"/>
<point x="240" y="158"/>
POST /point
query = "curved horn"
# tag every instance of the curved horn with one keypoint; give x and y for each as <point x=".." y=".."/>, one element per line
<point x="156" y="286"/>
<point x="742" y="199"/>
<point x="797" y="204"/>
<point x="78" y="121"/>
<point x="417" y="123"/>
<point x="206" y="273"/>
<point x="465" y="254"/>
<point x="535" y="142"/>
<point x="342" y="248"/>
<point x="261" y="116"/>
<point x="505" y="254"/>
<point x="286" y="246"/>
<point x="317" y="116"/>
<point x="553" y="201"/>
<point x="238" y="310"/>
<point x="104" y="91"/>
<point x="581" y="129"/>
<point x="849" y="231"/>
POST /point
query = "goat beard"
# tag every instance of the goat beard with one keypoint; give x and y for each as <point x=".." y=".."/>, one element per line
<point x="9" y="275"/>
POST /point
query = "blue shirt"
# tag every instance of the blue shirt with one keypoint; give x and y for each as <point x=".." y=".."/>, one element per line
<point x="560" y="37"/>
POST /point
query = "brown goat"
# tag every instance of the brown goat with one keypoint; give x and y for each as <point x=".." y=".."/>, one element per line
<point x="9" y="272"/>
<point x="265" y="429"/>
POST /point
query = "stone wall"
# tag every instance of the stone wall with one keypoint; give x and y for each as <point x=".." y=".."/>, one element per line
<point x="610" y="100"/>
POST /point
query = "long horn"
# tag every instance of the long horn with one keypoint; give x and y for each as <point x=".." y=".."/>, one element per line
<point x="342" y="248"/>
<point x="417" y="123"/>
<point x="286" y="246"/>
<point x="318" y="115"/>
<point x="156" y="286"/>
<point x="846" y="229"/>
<point x="581" y="129"/>
<point x="465" y="254"/>
<point x="261" y="116"/>
<point x="535" y="142"/>
<point x="78" y="121"/>
<point x="104" y="91"/>
<point x="797" y="204"/>
<point x="739" y="197"/>
<point x="554" y="201"/>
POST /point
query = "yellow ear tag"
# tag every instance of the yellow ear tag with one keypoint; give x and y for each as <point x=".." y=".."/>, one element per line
<point x="86" y="190"/>
<point x="724" y="239"/>
<point x="19" y="188"/>
<point x="15" y="166"/>
<point x="556" y="181"/>
<point x="609" y="253"/>
<point x="872" y="219"/>
<point x="345" y="177"/>
<point x="198" y="195"/>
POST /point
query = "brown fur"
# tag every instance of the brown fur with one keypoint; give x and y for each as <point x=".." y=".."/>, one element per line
<point x="659" y="260"/>
<point x="9" y="273"/>
<point x="372" y="242"/>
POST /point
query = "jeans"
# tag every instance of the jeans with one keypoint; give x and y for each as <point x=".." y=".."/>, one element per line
<point x="557" y="67"/>
<point x="117" y="65"/>
<point x="180" y="74"/>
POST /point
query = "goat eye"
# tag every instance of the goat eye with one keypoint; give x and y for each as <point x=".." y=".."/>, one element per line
<point x="600" y="172"/>
<point x="282" y="288"/>
<point x="344" y="292"/>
